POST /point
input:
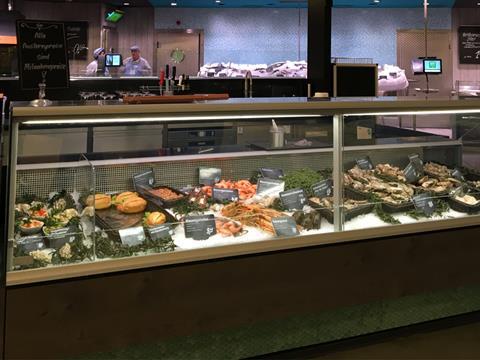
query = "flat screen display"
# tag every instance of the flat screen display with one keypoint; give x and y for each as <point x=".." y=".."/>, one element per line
<point x="432" y="66"/>
<point x="114" y="16"/>
<point x="113" y="60"/>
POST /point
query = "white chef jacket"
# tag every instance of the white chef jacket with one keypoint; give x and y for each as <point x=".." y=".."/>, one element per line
<point x="141" y="67"/>
<point x="93" y="67"/>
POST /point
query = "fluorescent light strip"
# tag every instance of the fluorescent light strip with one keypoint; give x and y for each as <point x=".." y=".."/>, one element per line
<point x="418" y="112"/>
<point x="162" y="119"/>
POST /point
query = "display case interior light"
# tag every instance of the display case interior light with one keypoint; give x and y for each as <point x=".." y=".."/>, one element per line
<point x="418" y="112"/>
<point x="114" y="120"/>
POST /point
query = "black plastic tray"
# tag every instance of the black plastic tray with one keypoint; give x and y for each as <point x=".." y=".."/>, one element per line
<point x="101" y="219"/>
<point x="348" y="214"/>
<point x="158" y="200"/>
<point x="462" y="207"/>
<point x="388" y="208"/>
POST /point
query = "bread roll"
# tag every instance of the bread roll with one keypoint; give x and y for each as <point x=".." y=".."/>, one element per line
<point x="120" y="198"/>
<point x="156" y="218"/>
<point x="101" y="201"/>
<point x="132" y="205"/>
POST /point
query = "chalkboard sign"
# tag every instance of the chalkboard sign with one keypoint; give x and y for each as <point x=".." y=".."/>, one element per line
<point x="469" y="44"/>
<point x="272" y="173"/>
<point x="200" y="227"/>
<point x="365" y="163"/>
<point x="144" y="179"/>
<point x="424" y="203"/>
<point x="293" y="199"/>
<point x="323" y="188"/>
<point x="285" y="226"/>
<point x="42" y="54"/>
<point x="76" y="33"/>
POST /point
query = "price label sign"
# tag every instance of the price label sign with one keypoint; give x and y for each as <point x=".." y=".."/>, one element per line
<point x="132" y="236"/>
<point x="225" y="194"/>
<point x="417" y="162"/>
<point x="209" y="176"/>
<point x="161" y="232"/>
<point x="411" y="173"/>
<point x="457" y="174"/>
<point x="323" y="188"/>
<point x="425" y="204"/>
<point x="144" y="179"/>
<point x="269" y="186"/>
<point x="285" y="226"/>
<point x="200" y="227"/>
<point x="60" y="237"/>
<point x="272" y="173"/>
<point x="293" y="199"/>
<point x="365" y="163"/>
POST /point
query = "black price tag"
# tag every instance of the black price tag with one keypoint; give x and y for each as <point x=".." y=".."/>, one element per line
<point x="224" y="194"/>
<point x="272" y="173"/>
<point x="323" y="188"/>
<point x="293" y="199"/>
<point x="457" y="174"/>
<point x="132" y="236"/>
<point x="285" y="226"/>
<point x="60" y="237"/>
<point x="269" y="186"/>
<point x="365" y="163"/>
<point x="209" y="176"/>
<point x="31" y="243"/>
<point x="42" y="54"/>
<point x="200" y="227"/>
<point x="411" y="173"/>
<point x="424" y="203"/>
<point x="160" y="232"/>
<point x="144" y="179"/>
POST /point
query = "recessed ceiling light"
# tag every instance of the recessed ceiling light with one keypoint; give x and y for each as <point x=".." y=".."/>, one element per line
<point x="218" y="1"/>
<point x="376" y="1"/>
<point x="126" y="3"/>
<point x="173" y="4"/>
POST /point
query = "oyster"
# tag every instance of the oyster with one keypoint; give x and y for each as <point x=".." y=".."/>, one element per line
<point x="467" y="199"/>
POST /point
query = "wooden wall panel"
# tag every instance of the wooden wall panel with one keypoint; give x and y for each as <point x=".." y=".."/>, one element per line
<point x="103" y="313"/>
<point x="464" y="16"/>
<point x="70" y="11"/>
<point x="137" y="28"/>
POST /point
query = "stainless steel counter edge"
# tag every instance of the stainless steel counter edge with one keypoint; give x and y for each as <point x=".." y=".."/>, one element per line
<point x="328" y="107"/>
<point x="187" y="256"/>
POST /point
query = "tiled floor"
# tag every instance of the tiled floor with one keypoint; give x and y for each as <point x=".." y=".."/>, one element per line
<point x="461" y="342"/>
<point x="456" y="338"/>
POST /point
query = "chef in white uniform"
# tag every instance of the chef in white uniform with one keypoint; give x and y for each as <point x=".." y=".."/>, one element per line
<point x="93" y="66"/>
<point x="136" y="65"/>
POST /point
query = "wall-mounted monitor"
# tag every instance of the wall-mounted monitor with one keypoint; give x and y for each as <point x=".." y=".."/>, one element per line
<point x="114" y="16"/>
<point x="113" y="60"/>
<point x="432" y="66"/>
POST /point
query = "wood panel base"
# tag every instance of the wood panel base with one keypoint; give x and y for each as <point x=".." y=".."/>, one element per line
<point x="71" y="317"/>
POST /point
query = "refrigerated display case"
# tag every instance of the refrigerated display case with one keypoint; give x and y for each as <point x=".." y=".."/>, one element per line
<point x="101" y="184"/>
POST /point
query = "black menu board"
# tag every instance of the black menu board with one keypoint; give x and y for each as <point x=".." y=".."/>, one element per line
<point x="42" y="53"/>
<point x="469" y="44"/>
<point x="76" y="33"/>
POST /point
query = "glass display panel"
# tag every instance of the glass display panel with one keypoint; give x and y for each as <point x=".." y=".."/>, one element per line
<point x="169" y="187"/>
<point x="409" y="168"/>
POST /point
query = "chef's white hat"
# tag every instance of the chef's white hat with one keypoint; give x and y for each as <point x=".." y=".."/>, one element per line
<point x="97" y="52"/>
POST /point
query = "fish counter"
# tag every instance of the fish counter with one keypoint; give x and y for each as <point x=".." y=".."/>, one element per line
<point x="303" y="189"/>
